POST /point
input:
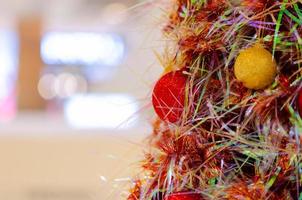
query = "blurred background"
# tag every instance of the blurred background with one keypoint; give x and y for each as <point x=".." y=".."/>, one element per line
<point x="75" y="81"/>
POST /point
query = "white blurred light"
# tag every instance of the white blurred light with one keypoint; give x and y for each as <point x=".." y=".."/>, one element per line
<point x="45" y="86"/>
<point x="82" y="48"/>
<point x="65" y="85"/>
<point x="62" y="86"/>
<point x="8" y="57"/>
<point x="101" y="111"/>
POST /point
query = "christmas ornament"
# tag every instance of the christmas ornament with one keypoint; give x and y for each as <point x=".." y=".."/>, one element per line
<point x="255" y="67"/>
<point x="184" y="196"/>
<point x="169" y="96"/>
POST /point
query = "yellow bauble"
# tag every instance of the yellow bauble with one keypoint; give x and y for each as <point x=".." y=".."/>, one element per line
<point x="255" y="67"/>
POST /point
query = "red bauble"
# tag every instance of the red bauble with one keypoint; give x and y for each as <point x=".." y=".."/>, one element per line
<point x="299" y="102"/>
<point x="169" y="96"/>
<point x="184" y="196"/>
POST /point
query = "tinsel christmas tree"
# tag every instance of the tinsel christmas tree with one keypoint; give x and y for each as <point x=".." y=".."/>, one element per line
<point x="228" y="104"/>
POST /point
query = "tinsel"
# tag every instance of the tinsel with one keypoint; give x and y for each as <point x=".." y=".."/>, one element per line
<point x="231" y="143"/>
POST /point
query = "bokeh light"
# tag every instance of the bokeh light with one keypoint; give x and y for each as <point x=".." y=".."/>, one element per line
<point x="61" y="86"/>
<point x="78" y="48"/>
<point x="45" y="86"/>
<point x="108" y="111"/>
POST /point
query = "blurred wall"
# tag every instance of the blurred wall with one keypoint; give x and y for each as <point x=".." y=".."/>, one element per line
<point x="42" y="156"/>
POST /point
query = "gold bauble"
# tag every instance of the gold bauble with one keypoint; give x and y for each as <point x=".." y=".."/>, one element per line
<point x="255" y="67"/>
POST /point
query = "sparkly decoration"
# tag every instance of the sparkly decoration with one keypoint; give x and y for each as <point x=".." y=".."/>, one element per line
<point x="184" y="196"/>
<point x="299" y="102"/>
<point x="255" y="67"/>
<point x="169" y="95"/>
<point x="253" y="191"/>
<point x="227" y="141"/>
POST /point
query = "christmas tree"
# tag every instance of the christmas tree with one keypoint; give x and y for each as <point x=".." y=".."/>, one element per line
<point x="229" y="104"/>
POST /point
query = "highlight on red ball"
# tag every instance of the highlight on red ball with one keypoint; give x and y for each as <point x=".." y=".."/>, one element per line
<point x="184" y="196"/>
<point x="169" y="96"/>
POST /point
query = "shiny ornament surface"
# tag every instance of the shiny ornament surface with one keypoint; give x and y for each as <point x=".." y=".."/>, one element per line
<point x="169" y="96"/>
<point x="184" y="196"/>
<point x="255" y="67"/>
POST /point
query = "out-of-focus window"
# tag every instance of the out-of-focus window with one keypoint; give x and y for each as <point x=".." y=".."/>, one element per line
<point x="77" y="61"/>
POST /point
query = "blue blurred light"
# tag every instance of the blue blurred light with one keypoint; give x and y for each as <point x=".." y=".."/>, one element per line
<point x="8" y="62"/>
<point x="80" y="48"/>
